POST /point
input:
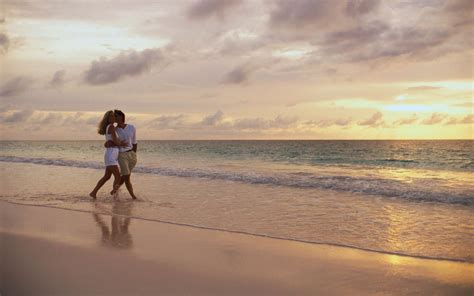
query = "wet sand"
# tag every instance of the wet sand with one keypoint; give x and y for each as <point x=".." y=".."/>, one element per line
<point x="47" y="251"/>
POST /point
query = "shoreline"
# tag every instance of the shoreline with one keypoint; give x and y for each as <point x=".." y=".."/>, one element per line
<point x="81" y="253"/>
<point x="230" y="231"/>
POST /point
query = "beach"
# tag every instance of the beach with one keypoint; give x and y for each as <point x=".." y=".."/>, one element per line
<point x="212" y="224"/>
<point x="277" y="147"/>
<point x="48" y="251"/>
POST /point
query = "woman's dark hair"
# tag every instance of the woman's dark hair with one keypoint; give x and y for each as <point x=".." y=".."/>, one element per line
<point x="120" y="113"/>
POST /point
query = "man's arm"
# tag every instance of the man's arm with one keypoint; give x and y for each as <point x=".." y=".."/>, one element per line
<point x="134" y="140"/>
<point x="109" y="144"/>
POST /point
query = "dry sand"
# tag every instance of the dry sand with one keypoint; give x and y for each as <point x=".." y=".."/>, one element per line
<point x="48" y="251"/>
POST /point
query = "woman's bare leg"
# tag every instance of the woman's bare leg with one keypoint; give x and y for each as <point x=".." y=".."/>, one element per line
<point x="116" y="172"/>
<point x="101" y="182"/>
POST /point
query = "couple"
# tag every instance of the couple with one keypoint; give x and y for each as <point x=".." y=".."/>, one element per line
<point x="121" y="149"/>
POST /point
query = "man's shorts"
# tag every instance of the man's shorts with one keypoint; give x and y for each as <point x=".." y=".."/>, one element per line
<point x="127" y="161"/>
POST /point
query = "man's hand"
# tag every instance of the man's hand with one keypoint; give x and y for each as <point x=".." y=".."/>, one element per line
<point x="109" y="144"/>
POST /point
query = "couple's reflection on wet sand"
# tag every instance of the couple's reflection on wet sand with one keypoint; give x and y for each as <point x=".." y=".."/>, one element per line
<point x="116" y="234"/>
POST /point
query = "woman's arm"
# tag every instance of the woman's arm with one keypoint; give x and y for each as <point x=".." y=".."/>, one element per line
<point x="115" y="139"/>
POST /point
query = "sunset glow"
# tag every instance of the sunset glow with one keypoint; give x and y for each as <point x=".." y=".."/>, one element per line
<point x="238" y="70"/>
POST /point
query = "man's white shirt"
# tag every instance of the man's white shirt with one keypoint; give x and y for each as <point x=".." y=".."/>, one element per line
<point x="127" y="134"/>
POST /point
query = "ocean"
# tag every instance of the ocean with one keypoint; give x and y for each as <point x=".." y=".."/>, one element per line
<point x="411" y="198"/>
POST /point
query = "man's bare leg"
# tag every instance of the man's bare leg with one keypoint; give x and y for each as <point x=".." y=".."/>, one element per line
<point x="128" y="184"/>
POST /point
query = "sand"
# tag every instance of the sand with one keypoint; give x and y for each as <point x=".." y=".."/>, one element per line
<point x="49" y="251"/>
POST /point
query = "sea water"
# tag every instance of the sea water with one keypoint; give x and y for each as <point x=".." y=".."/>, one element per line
<point x="412" y="198"/>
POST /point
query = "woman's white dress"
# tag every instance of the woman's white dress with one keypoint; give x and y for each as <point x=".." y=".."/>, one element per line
<point x="111" y="153"/>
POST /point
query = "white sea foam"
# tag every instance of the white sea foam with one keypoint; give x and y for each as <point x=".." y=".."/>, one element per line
<point x="423" y="190"/>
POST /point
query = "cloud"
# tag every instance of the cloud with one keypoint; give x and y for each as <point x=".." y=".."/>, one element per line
<point x="357" y="8"/>
<point x="4" y="43"/>
<point x="377" y="40"/>
<point x="468" y="119"/>
<point x="405" y="121"/>
<point x="58" y="78"/>
<point x="355" y="43"/>
<point x="330" y="122"/>
<point x="458" y="5"/>
<point x="360" y="34"/>
<point x="423" y="88"/>
<point x="309" y="19"/>
<point x="343" y="122"/>
<point x="168" y="121"/>
<point x="464" y="105"/>
<point x="303" y="14"/>
<point x="435" y="31"/>
<point x="459" y="12"/>
<point x="213" y="119"/>
<point x="94" y="120"/>
<point x="434" y="119"/>
<point x="283" y="121"/>
<point x="412" y="41"/>
<point x="77" y="10"/>
<point x="217" y="121"/>
<point x="127" y="63"/>
<point x="51" y="118"/>
<point x="374" y="121"/>
<point x="237" y="42"/>
<point x="15" y="116"/>
<point x="252" y="123"/>
<point x="365" y="30"/>
<point x="203" y="9"/>
<point x="16" y="86"/>
<point x="259" y="123"/>
<point x="239" y="75"/>
<point x="242" y="73"/>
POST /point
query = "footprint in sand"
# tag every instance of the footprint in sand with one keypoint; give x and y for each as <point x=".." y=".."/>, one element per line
<point x="166" y="205"/>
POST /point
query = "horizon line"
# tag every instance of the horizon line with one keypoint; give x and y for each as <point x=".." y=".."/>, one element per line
<point x="75" y="140"/>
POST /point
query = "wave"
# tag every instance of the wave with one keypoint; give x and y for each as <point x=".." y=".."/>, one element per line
<point x="469" y="165"/>
<point x="421" y="191"/>
<point x="398" y="160"/>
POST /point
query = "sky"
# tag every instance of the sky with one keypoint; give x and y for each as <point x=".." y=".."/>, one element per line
<point x="238" y="69"/>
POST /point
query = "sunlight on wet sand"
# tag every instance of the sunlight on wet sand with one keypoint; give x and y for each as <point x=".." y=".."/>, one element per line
<point x="67" y="251"/>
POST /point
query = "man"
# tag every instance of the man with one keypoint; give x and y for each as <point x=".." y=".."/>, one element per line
<point x="127" y="157"/>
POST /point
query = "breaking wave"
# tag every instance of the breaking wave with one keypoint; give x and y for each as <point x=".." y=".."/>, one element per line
<point x="429" y="190"/>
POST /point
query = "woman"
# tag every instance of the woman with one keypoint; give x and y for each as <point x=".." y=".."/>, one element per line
<point x="107" y="128"/>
